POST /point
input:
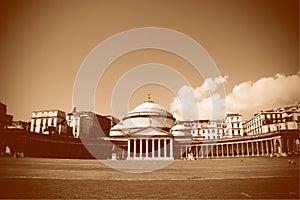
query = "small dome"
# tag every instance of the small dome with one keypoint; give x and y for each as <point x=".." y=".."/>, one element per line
<point x="178" y="134"/>
<point x="116" y="133"/>
<point x="179" y="130"/>
<point x="179" y="127"/>
<point x="117" y="130"/>
<point x="118" y="126"/>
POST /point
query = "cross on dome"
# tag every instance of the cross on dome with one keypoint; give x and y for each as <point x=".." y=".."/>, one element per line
<point x="149" y="99"/>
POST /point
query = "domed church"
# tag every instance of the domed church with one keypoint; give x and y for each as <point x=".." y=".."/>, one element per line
<point x="144" y="133"/>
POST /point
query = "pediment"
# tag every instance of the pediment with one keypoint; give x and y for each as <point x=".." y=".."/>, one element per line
<point x="149" y="132"/>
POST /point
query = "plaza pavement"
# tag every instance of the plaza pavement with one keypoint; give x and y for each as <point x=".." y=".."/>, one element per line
<point x="227" y="178"/>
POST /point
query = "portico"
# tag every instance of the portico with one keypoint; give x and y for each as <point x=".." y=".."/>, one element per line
<point x="272" y="144"/>
<point x="150" y="143"/>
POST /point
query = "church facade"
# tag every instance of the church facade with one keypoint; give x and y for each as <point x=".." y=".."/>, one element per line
<point x="144" y="133"/>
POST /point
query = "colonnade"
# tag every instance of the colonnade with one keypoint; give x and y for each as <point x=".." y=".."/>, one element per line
<point x="261" y="147"/>
<point x="150" y="148"/>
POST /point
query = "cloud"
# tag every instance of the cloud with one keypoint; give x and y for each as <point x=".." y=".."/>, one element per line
<point x="204" y="102"/>
<point x="247" y="98"/>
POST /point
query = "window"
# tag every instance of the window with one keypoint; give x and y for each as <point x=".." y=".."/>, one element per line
<point x="278" y="115"/>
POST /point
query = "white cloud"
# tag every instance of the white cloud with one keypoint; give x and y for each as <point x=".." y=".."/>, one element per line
<point x="272" y="92"/>
<point x="247" y="98"/>
<point x="203" y="102"/>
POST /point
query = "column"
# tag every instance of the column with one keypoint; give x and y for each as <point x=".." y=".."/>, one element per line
<point x="288" y="145"/>
<point x="141" y="149"/>
<point x="232" y="149"/>
<point x="217" y="150"/>
<point x="272" y="147"/>
<point x="134" y="148"/>
<point x="197" y="153"/>
<point x="202" y="150"/>
<point x="165" y="148"/>
<point x="153" y="149"/>
<point x="252" y="148"/>
<point x="180" y="151"/>
<point x="123" y="153"/>
<point x="207" y="151"/>
<point x="262" y="148"/>
<point x="147" y="148"/>
<point x="212" y="150"/>
<point x="158" y="148"/>
<point x="227" y="150"/>
<point x="243" y="153"/>
<point x="237" y="149"/>
<point x="267" y="147"/>
<point x="257" y="148"/>
<point x="247" y="149"/>
<point x="186" y="152"/>
<point x="280" y="147"/>
<point x="128" y="149"/>
<point x="171" y="148"/>
<point x="222" y="151"/>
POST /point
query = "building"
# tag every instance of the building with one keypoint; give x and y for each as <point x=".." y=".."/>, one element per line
<point x="2" y="115"/>
<point x="286" y="118"/>
<point x="144" y="133"/>
<point x="268" y="133"/>
<point x="87" y="124"/>
<point x="214" y="129"/>
<point x="150" y="132"/>
<point x="20" y="125"/>
<point x="8" y="120"/>
<point x="204" y="129"/>
<point x="48" y="122"/>
<point x="234" y="126"/>
<point x="5" y="119"/>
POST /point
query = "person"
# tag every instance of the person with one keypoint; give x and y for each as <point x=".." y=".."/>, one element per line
<point x="293" y="162"/>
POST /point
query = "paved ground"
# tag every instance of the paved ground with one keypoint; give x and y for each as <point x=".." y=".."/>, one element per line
<point x="209" y="178"/>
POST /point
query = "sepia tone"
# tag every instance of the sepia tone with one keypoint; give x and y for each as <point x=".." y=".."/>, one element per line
<point x="161" y="127"/>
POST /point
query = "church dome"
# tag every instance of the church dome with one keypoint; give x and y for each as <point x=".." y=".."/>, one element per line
<point x="149" y="108"/>
<point x="149" y="114"/>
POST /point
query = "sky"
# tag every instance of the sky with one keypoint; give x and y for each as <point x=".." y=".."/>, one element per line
<point x="254" y="44"/>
